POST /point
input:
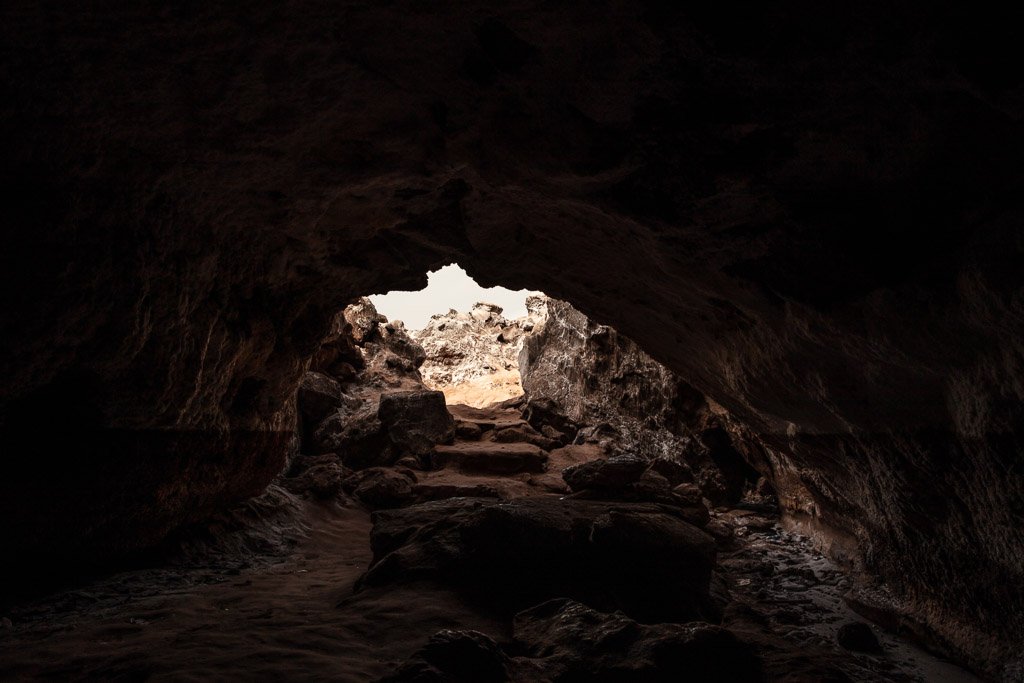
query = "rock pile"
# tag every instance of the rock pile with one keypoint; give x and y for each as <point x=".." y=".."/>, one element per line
<point x="363" y="404"/>
<point x="473" y="357"/>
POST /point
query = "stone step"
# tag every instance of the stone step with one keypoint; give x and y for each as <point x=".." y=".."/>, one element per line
<point x="487" y="418"/>
<point x="490" y="457"/>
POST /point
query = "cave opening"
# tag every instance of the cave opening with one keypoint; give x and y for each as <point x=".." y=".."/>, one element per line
<point x="471" y="335"/>
<point x="808" y="214"/>
<point x="599" y="489"/>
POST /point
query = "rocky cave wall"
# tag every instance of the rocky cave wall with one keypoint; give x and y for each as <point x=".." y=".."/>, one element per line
<point x="626" y="402"/>
<point x="810" y="212"/>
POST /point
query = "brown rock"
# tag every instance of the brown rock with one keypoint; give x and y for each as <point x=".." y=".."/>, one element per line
<point x="319" y="396"/>
<point x="610" y="474"/>
<point x="320" y="476"/>
<point x="415" y="421"/>
<point x="382" y="487"/>
<point x="491" y="458"/>
<point x="513" y="554"/>
<point x="572" y="642"/>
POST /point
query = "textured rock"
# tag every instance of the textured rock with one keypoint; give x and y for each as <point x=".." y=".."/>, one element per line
<point x="563" y="641"/>
<point x="415" y="421"/>
<point x="492" y="458"/>
<point x="858" y="636"/>
<point x="572" y="642"/>
<point x="810" y="212"/>
<point x="320" y="476"/>
<point x="613" y="473"/>
<point x="621" y="398"/>
<point x="381" y="487"/>
<point x="376" y="410"/>
<point x="455" y="657"/>
<point x="510" y="555"/>
<point x="473" y="357"/>
<point x="319" y="396"/>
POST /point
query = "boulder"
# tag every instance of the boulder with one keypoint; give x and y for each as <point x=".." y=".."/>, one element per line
<point x="319" y="476"/>
<point x="610" y="474"/>
<point x="523" y="433"/>
<point x="640" y="558"/>
<point x="415" y="421"/>
<point x="859" y="637"/>
<point x="382" y="487"/>
<point x="318" y="397"/>
<point x="467" y="431"/>
<point x="546" y="416"/>
<point x="358" y="437"/>
<point x="675" y="471"/>
<point x="455" y="657"/>
<point x="569" y="641"/>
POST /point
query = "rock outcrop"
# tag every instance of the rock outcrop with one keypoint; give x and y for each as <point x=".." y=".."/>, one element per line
<point x="564" y="642"/>
<point x="473" y="357"/>
<point x="811" y="212"/>
<point x="365" y="405"/>
<point x="511" y="555"/>
<point x="628" y="403"/>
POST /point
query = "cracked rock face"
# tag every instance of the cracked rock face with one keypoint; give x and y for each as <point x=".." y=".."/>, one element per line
<point x="473" y="357"/>
<point x="628" y="403"/>
<point x="811" y="213"/>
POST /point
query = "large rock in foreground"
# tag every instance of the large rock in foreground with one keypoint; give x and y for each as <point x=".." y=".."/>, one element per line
<point x="642" y="559"/>
<point x="563" y="641"/>
<point x="572" y="642"/>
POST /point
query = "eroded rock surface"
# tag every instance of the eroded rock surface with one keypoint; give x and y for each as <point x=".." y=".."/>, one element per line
<point x="564" y="642"/>
<point x="374" y="410"/>
<point x="510" y="555"/>
<point x="473" y="357"/>
<point x="622" y="399"/>
<point x="811" y="212"/>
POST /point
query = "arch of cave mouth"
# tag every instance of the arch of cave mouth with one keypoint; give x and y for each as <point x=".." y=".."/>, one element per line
<point x="808" y="219"/>
<point x="535" y="481"/>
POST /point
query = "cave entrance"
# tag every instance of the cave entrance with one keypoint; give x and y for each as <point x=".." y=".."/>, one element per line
<point x="457" y="379"/>
<point x="472" y="335"/>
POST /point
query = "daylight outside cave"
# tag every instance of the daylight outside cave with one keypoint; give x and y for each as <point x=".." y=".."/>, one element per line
<point x="472" y="336"/>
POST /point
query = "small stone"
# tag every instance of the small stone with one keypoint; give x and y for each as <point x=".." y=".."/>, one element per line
<point x="859" y="637"/>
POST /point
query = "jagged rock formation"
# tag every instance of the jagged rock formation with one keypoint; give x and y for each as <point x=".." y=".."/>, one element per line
<point x="627" y="402"/>
<point x="563" y="640"/>
<point x="474" y="357"/>
<point x="811" y="212"/>
<point x="363" y="403"/>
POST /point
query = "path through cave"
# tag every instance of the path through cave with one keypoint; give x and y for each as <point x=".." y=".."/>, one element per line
<point x="415" y="538"/>
<point x="810" y="213"/>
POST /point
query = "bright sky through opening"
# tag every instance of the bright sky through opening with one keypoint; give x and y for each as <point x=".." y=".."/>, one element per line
<point x="447" y="288"/>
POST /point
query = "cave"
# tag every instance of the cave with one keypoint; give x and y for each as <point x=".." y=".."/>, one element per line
<point x="807" y="216"/>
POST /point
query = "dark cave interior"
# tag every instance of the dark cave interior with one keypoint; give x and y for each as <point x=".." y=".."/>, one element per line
<point x="789" y="238"/>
